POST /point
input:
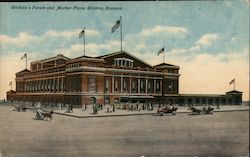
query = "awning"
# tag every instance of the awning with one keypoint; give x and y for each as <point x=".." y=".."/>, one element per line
<point x="138" y="97"/>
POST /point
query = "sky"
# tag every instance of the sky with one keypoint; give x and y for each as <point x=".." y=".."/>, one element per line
<point x="209" y="40"/>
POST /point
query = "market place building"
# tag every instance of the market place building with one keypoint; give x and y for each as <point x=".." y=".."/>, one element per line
<point x="109" y="79"/>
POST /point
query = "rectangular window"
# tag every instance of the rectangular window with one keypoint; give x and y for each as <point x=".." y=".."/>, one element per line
<point x="92" y="84"/>
<point x="142" y="84"/>
<point x="116" y="85"/>
<point x="157" y="85"/>
<point x="125" y="85"/>
<point x="107" y="84"/>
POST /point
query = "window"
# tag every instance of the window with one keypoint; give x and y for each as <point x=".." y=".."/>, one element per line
<point x="116" y="85"/>
<point x="92" y="84"/>
<point x="125" y="85"/>
<point x="149" y="85"/>
<point x="107" y="84"/>
<point x="123" y="62"/>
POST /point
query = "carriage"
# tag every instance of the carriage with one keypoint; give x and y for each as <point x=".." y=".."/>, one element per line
<point x="166" y="110"/>
<point x="205" y="110"/>
<point x="20" y="108"/>
<point x="44" y="115"/>
<point x="209" y="110"/>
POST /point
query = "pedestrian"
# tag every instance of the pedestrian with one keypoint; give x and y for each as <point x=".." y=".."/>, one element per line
<point x="113" y="108"/>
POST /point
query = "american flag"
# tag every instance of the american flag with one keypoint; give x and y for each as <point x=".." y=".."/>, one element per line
<point x="24" y="56"/>
<point x="117" y="24"/>
<point x="232" y="81"/>
<point x="161" y="51"/>
<point x="81" y="34"/>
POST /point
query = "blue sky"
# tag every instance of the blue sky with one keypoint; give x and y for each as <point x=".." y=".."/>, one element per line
<point x="194" y="33"/>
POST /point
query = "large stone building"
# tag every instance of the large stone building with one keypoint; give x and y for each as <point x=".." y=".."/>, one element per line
<point x="109" y="79"/>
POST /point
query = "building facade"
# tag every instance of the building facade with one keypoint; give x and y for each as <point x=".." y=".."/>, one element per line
<point x="109" y="79"/>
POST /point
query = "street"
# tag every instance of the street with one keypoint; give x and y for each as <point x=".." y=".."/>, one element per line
<point x="220" y="134"/>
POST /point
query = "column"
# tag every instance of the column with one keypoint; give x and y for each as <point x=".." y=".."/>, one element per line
<point x="57" y="86"/>
<point x="54" y="85"/>
<point x="139" y="85"/>
<point x="161" y="87"/>
<point x="146" y="85"/>
<point x="32" y="86"/>
<point x="154" y="85"/>
<point x="38" y="85"/>
<point x="113" y="84"/>
<point x="130" y="85"/>
<point x="121" y="84"/>
<point x="62" y="84"/>
<point x="45" y="85"/>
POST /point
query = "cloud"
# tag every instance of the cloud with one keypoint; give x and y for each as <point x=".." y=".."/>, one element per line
<point x="207" y="73"/>
<point x="9" y="65"/>
<point x="25" y="38"/>
<point x="21" y="40"/>
<point x="91" y="49"/>
<point x="207" y="39"/>
<point x="163" y="30"/>
<point x="68" y="34"/>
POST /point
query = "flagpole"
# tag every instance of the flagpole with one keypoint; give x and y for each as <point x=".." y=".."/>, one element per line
<point x="26" y="60"/>
<point x="234" y="84"/>
<point x="121" y="31"/>
<point x="164" y="57"/>
<point x="84" y="41"/>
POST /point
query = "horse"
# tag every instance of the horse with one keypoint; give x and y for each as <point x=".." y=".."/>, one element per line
<point x="48" y="115"/>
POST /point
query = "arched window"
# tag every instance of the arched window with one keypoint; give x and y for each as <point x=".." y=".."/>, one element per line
<point x="123" y="62"/>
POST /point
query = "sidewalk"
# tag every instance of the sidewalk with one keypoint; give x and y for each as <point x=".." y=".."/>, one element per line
<point x="79" y="113"/>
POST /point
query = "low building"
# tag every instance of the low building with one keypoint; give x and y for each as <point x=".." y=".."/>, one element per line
<point x="109" y="79"/>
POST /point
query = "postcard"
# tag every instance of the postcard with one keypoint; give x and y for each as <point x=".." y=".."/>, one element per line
<point x="124" y="79"/>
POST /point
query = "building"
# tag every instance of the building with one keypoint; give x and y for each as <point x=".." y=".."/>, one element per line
<point x="109" y="79"/>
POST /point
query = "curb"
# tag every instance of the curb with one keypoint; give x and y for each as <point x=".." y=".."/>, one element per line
<point x="136" y="114"/>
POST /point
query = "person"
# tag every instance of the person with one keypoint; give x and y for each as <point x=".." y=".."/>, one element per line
<point x="218" y="106"/>
<point x="38" y="114"/>
<point x="113" y="108"/>
<point x="204" y="109"/>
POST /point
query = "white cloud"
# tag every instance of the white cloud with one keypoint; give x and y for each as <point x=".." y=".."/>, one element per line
<point x="207" y="39"/>
<point x="69" y="33"/>
<point x="163" y="29"/>
<point x="91" y="49"/>
<point x="207" y="73"/>
<point x="23" y="39"/>
<point x="194" y="48"/>
<point x="9" y="65"/>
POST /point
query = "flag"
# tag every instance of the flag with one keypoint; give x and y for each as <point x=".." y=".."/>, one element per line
<point x="232" y="81"/>
<point x="10" y="83"/>
<point x="117" y="24"/>
<point x="161" y="51"/>
<point x="81" y="34"/>
<point x="24" y="56"/>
